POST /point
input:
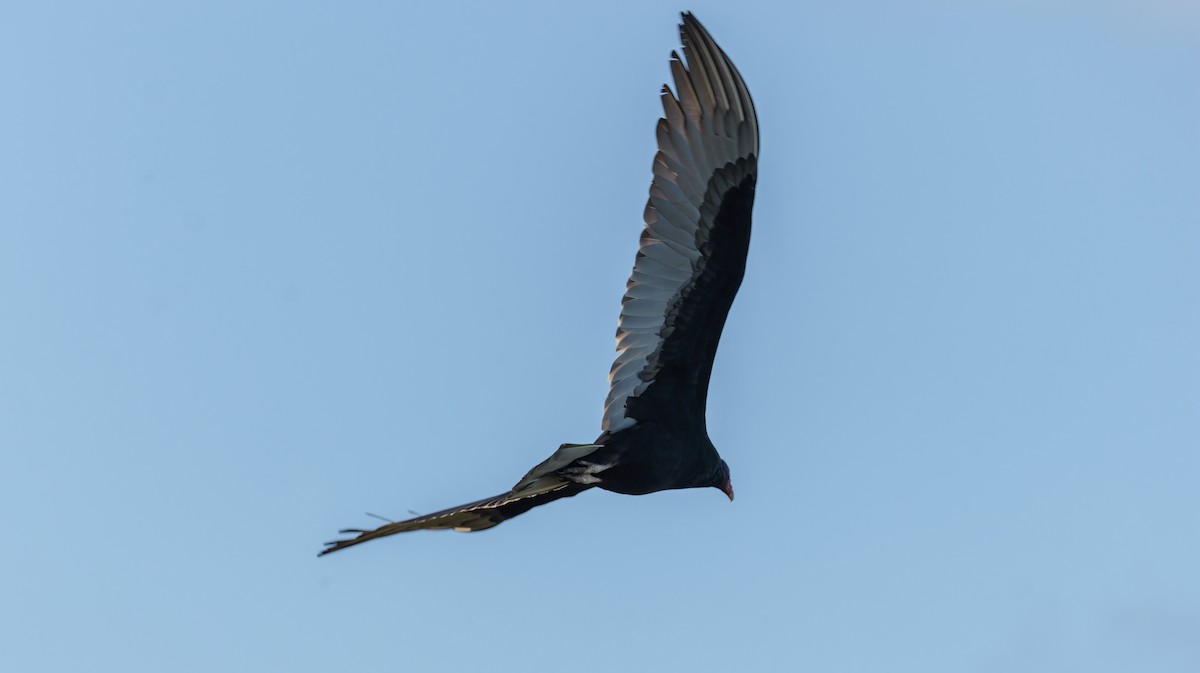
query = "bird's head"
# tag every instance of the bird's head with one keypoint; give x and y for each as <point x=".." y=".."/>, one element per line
<point x="722" y="480"/>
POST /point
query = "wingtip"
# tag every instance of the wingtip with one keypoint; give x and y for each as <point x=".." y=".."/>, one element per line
<point x="688" y="21"/>
<point x="336" y="545"/>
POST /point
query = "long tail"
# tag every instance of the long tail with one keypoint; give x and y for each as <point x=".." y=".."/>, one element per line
<point x="473" y="516"/>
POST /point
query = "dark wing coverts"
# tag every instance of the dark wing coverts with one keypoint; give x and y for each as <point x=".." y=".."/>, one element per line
<point x="693" y="249"/>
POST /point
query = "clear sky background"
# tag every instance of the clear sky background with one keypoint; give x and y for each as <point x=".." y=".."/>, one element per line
<point x="264" y="267"/>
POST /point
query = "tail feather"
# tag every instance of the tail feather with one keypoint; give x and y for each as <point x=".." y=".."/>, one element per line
<point x="474" y="516"/>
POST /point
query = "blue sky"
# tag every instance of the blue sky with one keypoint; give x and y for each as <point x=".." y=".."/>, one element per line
<point x="264" y="267"/>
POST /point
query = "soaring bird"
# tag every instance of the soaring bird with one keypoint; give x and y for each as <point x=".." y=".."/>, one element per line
<point x="689" y="265"/>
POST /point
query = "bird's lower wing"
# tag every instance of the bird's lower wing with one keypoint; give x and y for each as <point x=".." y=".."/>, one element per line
<point x="473" y="516"/>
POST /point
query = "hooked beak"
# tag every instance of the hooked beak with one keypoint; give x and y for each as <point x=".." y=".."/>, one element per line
<point x="727" y="489"/>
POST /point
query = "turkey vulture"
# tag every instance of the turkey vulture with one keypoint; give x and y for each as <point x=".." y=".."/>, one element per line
<point x="689" y="264"/>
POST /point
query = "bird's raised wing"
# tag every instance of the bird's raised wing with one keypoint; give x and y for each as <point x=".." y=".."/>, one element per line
<point x="693" y="249"/>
